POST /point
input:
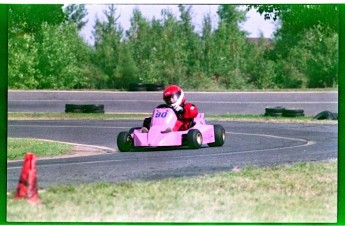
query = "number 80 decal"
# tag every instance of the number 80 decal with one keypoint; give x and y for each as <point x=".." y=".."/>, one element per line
<point x="161" y="114"/>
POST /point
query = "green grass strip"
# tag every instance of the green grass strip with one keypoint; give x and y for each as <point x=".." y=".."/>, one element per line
<point x="18" y="147"/>
<point x="304" y="192"/>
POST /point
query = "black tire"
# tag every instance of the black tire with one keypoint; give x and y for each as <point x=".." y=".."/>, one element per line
<point x="274" y="111"/>
<point x="277" y="109"/>
<point x="93" y="108"/>
<point x="68" y="110"/>
<point x="137" y="87"/>
<point x="124" y="142"/>
<point x="219" y="136"/>
<point x="293" y="112"/>
<point x="74" y="108"/>
<point x="155" y="87"/>
<point x="273" y="114"/>
<point x="94" y="111"/>
<point x="98" y="111"/>
<point x="326" y="115"/>
<point x="84" y="108"/>
<point x="194" y="138"/>
<point x="291" y="115"/>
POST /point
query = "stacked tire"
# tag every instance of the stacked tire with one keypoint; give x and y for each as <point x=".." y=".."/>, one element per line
<point x="284" y="112"/>
<point x="145" y="87"/>
<point x="137" y="87"/>
<point x="274" y="111"/>
<point x="74" y="108"/>
<point x="293" y="112"/>
<point x="155" y="87"/>
<point x="84" y="108"/>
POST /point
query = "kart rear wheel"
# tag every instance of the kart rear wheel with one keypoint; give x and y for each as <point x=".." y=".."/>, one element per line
<point x="194" y="138"/>
<point x="124" y="141"/>
<point x="219" y="136"/>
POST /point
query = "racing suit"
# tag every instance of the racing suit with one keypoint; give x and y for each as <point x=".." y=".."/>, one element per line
<point x="185" y="117"/>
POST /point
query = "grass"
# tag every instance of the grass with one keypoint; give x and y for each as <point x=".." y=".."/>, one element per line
<point x="18" y="147"/>
<point x="304" y="192"/>
<point x="141" y="116"/>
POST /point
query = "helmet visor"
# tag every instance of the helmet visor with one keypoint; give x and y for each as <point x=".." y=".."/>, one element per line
<point x="172" y="98"/>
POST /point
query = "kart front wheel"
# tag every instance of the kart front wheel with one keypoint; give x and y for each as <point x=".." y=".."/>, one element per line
<point x="194" y="138"/>
<point x="219" y="136"/>
<point x="124" y="141"/>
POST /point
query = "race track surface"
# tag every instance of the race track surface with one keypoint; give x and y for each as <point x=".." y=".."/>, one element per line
<point x="247" y="143"/>
<point x="208" y="102"/>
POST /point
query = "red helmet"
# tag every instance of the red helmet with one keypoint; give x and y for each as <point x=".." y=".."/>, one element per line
<point x="173" y="95"/>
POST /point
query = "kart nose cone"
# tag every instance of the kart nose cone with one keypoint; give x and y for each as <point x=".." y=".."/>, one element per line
<point x="154" y="136"/>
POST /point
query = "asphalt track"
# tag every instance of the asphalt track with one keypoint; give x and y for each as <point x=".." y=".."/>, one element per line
<point x="247" y="143"/>
<point x="209" y="102"/>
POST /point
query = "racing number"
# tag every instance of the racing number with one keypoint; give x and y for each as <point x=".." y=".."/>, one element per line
<point x="161" y="114"/>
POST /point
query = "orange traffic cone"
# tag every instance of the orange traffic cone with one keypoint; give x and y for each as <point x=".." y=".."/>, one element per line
<point x="27" y="185"/>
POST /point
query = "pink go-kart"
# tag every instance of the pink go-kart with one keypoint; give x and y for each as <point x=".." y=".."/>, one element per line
<point x="159" y="133"/>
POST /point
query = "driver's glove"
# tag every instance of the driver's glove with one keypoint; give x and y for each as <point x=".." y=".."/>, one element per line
<point x="178" y="108"/>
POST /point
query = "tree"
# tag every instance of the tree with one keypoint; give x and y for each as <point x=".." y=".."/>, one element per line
<point x="23" y="61"/>
<point x="60" y="57"/>
<point x="142" y="45"/>
<point x="190" y="42"/>
<point x="206" y="44"/>
<point x="77" y="14"/>
<point x="230" y="46"/>
<point x="298" y="17"/>
<point x="108" y="35"/>
<point x="312" y="62"/>
<point x="259" y="68"/>
<point x="28" y="18"/>
<point x="170" y="55"/>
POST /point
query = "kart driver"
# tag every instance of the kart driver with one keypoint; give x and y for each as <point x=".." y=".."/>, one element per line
<point x="173" y="96"/>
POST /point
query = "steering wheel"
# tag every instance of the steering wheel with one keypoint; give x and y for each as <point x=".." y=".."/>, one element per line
<point x="164" y="106"/>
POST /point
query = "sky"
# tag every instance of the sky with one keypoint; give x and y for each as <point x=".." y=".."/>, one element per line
<point x="254" y="25"/>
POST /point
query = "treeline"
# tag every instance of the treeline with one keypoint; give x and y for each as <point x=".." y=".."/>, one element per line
<point x="47" y="52"/>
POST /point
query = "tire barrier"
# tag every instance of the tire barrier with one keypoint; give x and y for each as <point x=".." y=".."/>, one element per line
<point x="284" y="112"/>
<point x="293" y="112"/>
<point x="137" y="87"/>
<point x="155" y="87"/>
<point x="84" y="108"/>
<point x="74" y="108"/>
<point x="326" y="115"/>
<point x="145" y="87"/>
<point x="274" y="111"/>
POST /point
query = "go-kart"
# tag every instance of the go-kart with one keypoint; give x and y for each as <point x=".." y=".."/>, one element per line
<point x="159" y="133"/>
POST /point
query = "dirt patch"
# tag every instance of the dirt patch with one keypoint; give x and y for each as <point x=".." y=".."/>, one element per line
<point x="83" y="150"/>
<point x="77" y="150"/>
